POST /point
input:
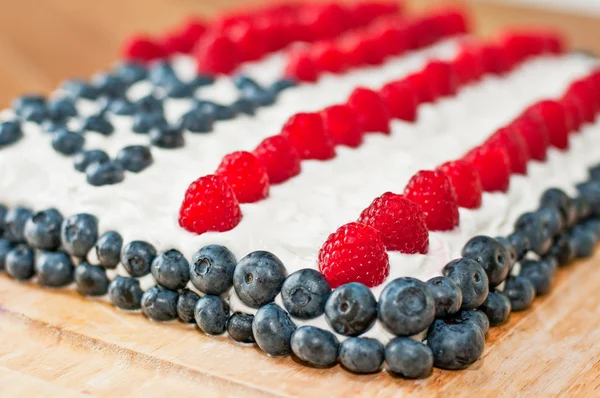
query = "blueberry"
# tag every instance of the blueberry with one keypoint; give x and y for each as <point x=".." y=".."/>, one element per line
<point x="42" y="230"/>
<point x="239" y="327"/>
<point x="260" y="97"/>
<point x="185" y="305"/>
<point x="258" y="277"/>
<point x="109" y="85"/>
<point x="3" y="211"/>
<point x="472" y="280"/>
<point x="497" y="308"/>
<point x="539" y="273"/>
<point x="521" y="244"/>
<point x="85" y="158"/>
<point x="583" y="241"/>
<point x="31" y="100"/>
<point x="551" y="219"/>
<point x="492" y="256"/>
<point x="98" y="124"/>
<point x="409" y="358"/>
<point x="557" y="199"/>
<point x="171" y="270"/>
<point x="53" y="126"/>
<point x="211" y="269"/>
<point x="477" y="317"/>
<point x="455" y="343"/>
<point x="149" y="105"/>
<point x="108" y="249"/>
<point x="446" y="295"/>
<point x="10" y="132"/>
<point x="243" y="82"/>
<point x="315" y="346"/>
<point x="62" y="108"/>
<point x="144" y="122"/>
<point x="121" y="106"/>
<point x="33" y="113"/>
<point x="582" y="208"/>
<point x="520" y="291"/>
<point x="361" y="354"/>
<point x="592" y="225"/>
<point x="54" y="269"/>
<point x="67" y="142"/>
<point x="243" y="105"/>
<point x="19" y="263"/>
<point x="79" y="88"/>
<point x="137" y="257"/>
<point x="197" y="121"/>
<point x="281" y="85"/>
<point x="177" y="89"/>
<point x="91" y="280"/>
<point x="5" y="247"/>
<point x="107" y="173"/>
<point x="130" y="73"/>
<point x="135" y="158"/>
<point x="272" y="329"/>
<point x="202" y="80"/>
<point x="160" y="304"/>
<point x="594" y="172"/>
<point x="351" y="309"/>
<point x="211" y="313"/>
<point x="14" y="224"/>
<point x="304" y="293"/>
<point x="406" y="306"/>
<point x="167" y="138"/>
<point x="161" y="73"/>
<point x="125" y="293"/>
<point x="218" y="111"/>
<point x="79" y="234"/>
<point x="510" y="250"/>
<point x="532" y="226"/>
<point x="590" y="191"/>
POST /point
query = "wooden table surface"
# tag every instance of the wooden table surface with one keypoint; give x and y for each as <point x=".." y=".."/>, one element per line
<point x="55" y="343"/>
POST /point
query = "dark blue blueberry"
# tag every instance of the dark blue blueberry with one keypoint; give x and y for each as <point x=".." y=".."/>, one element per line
<point x="171" y="269"/>
<point x="167" y="138"/>
<point x="80" y="89"/>
<point x="10" y="132"/>
<point x="54" y="269"/>
<point x="201" y="81"/>
<point x="130" y="73"/>
<point x="520" y="291"/>
<point x="3" y="211"/>
<point x="109" y="85"/>
<point x="5" y="247"/>
<point x="590" y="191"/>
<point x="135" y="158"/>
<point x="351" y="309"/>
<point x="98" y="124"/>
<point x="62" y="108"/>
<point x="258" y="278"/>
<point x="106" y="173"/>
<point x="497" y="308"/>
<point x="14" y="224"/>
<point x="160" y="304"/>
<point x="31" y="108"/>
<point x="281" y="85"/>
<point x="406" y="306"/>
<point x="25" y="101"/>
<point x="272" y="329"/>
<point x="592" y="225"/>
<point x="34" y="114"/>
<point x="477" y="317"/>
<point x="594" y="172"/>
<point x="122" y="107"/>
<point x="551" y="219"/>
<point x="211" y="314"/>
<point x="53" y="126"/>
<point x="91" y="280"/>
<point x="532" y="226"/>
<point x="67" y="142"/>
<point x="20" y="263"/>
<point x="42" y="230"/>
<point x="583" y="241"/>
<point x="492" y="256"/>
<point x="470" y="276"/>
<point x="197" y="121"/>
<point x="137" y="257"/>
<point x="186" y="303"/>
<point x="446" y="295"/>
<point x="239" y="327"/>
<point x="510" y="249"/>
<point x="244" y="105"/>
<point x="521" y="244"/>
<point x="211" y="269"/>
<point x="409" y="358"/>
<point x="85" y="158"/>
<point x="243" y="82"/>
<point x="315" y="346"/>
<point x="125" y="293"/>
<point x="79" y="234"/>
<point x="582" y="208"/>
<point x="149" y="104"/>
<point x="161" y="73"/>
<point x="455" y="342"/>
<point x="540" y="274"/>
<point x="304" y="293"/>
<point x="144" y="122"/>
<point x="361" y="354"/>
<point x="260" y="97"/>
<point x="556" y="198"/>
<point x="177" y="89"/>
<point x="218" y="111"/>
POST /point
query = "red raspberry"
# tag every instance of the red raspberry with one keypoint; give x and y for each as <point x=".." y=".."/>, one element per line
<point x="534" y="135"/>
<point x="341" y="124"/>
<point x="362" y="13"/>
<point x="515" y="147"/>
<point x="308" y="136"/>
<point x="441" y="78"/>
<point x="391" y="38"/>
<point x="400" y="222"/>
<point x="400" y="100"/>
<point x="370" y="110"/>
<point x="359" y="50"/>
<point x="246" y="176"/>
<point x="451" y="22"/>
<point x="325" y="21"/>
<point x="216" y="54"/>
<point x="421" y="87"/>
<point x="141" y="48"/>
<point x="573" y="113"/>
<point x="354" y="253"/>
<point x="433" y="192"/>
<point x="496" y="59"/>
<point x="583" y="93"/>
<point x="467" y="67"/>
<point x="465" y="181"/>
<point x="249" y="41"/>
<point x="209" y="204"/>
<point x="279" y="158"/>
<point x="552" y="116"/>
<point x="301" y="67"/>
<point x="522" y="44"/>
<point x="184" y="39"/>
<point x="493" y="166"/>
<point x="328" y="57"/>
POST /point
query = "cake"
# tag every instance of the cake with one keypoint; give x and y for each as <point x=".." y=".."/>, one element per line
<point x="344" y="183"/>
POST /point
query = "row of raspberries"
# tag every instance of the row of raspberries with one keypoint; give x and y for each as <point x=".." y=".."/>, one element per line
<point x="221" y="45"/>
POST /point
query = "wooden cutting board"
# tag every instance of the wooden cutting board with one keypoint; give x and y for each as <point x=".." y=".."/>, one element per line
<point x="56" y="343"/>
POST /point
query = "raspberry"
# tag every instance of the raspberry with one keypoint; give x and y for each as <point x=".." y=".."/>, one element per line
<point x="465" y="181"/>
<point x="328" y="57"/>
<point x="400" y="100"/>
<point x="390" y="38"/>
<point x="583" y="93"/>
<point x="573" y="113"/>
<point x="370" y="110"/>
<point x="495" y="59"/>
<point x="245" y="175"/>
<point x="493" y="166"/>
<point x="451" y="22"/>
<point x="209" y="204"/>
<point x="534" y="135"/>
<point x="515" y="147"/>
<point x="400" y="222"/>
<point x="216" y="54"/>
<point x="307" y="134"/>
<point x="360" y="50"/>
<point x="421" y="87"/>
<point x="552" y="116"/>
<point x="279" y="158"/>
<point x="433" y="192"/>
<point x="183" y="40"/>
<point x="362" y="13"/>
<point x="325" y="21"/>
<point x="467" y="67"/>
<point x="249" y="41"/>
<point x="141" y="48"/>
<point x="301" y="67"/>
<point x="441" y="78"/>
<point x="341" y="124"/>
<point x="354" y="253"/>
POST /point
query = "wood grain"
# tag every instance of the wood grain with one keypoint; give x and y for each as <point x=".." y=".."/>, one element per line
<point x="55" y="343"/>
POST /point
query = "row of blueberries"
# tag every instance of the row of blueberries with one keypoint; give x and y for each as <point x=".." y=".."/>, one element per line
<point x="109" y="89"/>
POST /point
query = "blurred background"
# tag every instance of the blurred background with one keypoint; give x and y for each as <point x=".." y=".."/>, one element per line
<point x="42" y="42"/>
